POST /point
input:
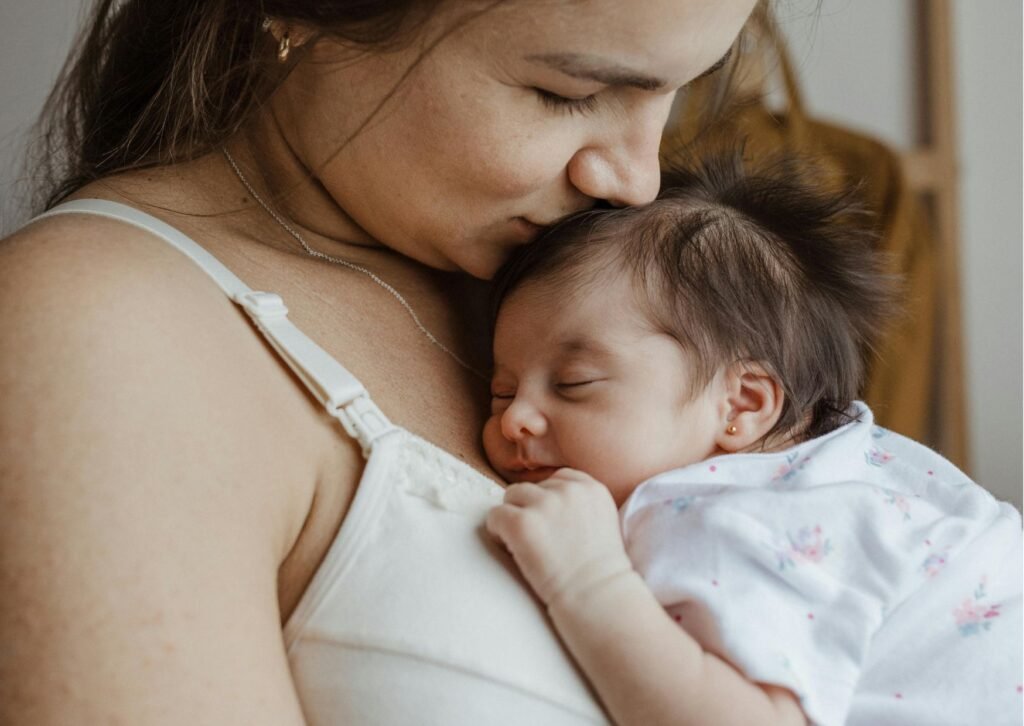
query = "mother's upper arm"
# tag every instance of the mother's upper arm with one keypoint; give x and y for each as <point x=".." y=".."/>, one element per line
<point x="138" y="546"/>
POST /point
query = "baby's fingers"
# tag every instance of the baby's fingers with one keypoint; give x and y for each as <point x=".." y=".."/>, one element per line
<point x="525" y="494"/>
<point x="569" y="474"/>
<point x="569" y="477"/>
<point x="504" y="521"/>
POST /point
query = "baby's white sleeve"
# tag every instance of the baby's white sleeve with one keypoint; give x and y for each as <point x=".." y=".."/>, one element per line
<point x="791" y="586"/>
<point x="951" y="653"/>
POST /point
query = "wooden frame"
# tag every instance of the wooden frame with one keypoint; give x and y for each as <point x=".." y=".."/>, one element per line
<point x="932" y="171"/>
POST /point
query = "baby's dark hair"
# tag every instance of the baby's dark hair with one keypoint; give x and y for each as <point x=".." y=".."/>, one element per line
<point x="738" y="264"/>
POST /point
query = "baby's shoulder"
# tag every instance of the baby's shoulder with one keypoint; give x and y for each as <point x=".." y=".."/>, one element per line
<point x="860" y="476"/>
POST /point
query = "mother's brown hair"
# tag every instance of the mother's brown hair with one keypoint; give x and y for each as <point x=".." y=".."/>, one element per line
<point x="153" y="82"/>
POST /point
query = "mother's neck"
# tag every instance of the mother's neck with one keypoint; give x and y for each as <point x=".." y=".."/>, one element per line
<point x="275" y="171"/>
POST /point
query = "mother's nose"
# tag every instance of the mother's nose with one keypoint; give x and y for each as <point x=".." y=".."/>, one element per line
<point x="622" y="167"/>
<point x="522" y="420"/>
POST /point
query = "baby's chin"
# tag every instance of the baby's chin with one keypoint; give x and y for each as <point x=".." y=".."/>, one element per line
<point x="529" y="475"/>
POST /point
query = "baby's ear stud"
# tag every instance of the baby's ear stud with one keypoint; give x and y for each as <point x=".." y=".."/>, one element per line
<point x="731" y="430"/>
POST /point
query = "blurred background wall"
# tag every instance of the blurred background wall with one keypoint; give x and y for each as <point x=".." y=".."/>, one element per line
<point x="857" y="63"/>
<point x="859" y="66"/>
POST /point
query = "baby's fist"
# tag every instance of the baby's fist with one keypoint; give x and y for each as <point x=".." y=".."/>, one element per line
<point x="562" y="532"/>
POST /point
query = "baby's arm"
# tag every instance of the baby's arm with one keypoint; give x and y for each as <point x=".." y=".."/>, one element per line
<point x="564" y="535"/>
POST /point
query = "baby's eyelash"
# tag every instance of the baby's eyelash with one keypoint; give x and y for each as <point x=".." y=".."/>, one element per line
<point x="564" y="103"/>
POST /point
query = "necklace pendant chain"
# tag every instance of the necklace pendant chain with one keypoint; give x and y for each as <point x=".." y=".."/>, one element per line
<point x="350" y="265"/>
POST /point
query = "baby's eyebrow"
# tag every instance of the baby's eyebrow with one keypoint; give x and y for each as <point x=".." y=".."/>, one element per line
<point x="584" y="345"/>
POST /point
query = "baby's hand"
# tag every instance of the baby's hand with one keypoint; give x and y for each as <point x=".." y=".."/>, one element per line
<point x="563" y="533"/>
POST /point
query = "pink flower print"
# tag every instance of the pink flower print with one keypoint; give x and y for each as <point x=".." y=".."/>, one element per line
<point x="793" y="464"/>
<point x="899" y="501"/>
<point x="933" y="564"/>
<point x="807" y="545"/>
<point x="878" y="457"/>
<point x="971" y="617"/>
<point x="974" y="614"/>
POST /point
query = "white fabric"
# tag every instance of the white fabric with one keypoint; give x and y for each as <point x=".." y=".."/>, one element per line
<point x="860" y="570"/>
<point x="414" y="616"/>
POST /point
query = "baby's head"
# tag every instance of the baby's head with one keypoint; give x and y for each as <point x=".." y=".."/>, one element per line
<point x="733" y="314"/>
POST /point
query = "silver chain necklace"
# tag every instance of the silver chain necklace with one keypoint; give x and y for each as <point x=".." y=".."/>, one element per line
<point x="350" y="265"/>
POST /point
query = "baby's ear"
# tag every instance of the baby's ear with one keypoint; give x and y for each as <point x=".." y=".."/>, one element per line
<point x="750" y="406"/>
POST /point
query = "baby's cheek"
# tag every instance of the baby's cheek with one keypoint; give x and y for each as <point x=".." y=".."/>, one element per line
<point x="498" y="449"/>
<point x="619" y="456"/>
<point x="597" y="447"/>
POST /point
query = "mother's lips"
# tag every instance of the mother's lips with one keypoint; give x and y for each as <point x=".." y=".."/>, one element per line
<point x="527" y="230"/>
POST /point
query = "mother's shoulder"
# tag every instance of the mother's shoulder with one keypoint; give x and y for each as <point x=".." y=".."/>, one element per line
<point x="78" y="252"/>
<point x="109" y="329"/>
<point x="98" y="310"/>
<point x="141" y="472"/>
<point x="81" y="279"/>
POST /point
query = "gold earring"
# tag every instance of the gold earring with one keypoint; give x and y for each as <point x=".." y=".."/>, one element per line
<point x="731" y="430"/>
<point x="283" y="49"/>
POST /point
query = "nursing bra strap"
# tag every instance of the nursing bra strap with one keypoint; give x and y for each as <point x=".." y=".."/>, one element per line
<point x="341" y="393"/>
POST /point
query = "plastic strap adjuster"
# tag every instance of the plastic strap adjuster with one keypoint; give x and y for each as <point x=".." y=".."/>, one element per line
<point x="262" y="305"/>
<point x="363" y="421"/>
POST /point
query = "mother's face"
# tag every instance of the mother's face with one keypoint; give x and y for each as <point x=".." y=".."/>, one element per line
<point x="514" y="118"/>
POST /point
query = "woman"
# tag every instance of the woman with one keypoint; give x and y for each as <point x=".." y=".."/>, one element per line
<point x="171" y="492"/>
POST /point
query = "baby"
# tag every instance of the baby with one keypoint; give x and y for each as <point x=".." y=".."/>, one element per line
<point x="717" y="528"/>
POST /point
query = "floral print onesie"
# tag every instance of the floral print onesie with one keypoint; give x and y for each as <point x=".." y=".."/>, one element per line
<point x="860" y="570"/>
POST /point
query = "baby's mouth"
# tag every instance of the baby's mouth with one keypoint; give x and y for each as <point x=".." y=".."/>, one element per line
<point x="533" y="474"/>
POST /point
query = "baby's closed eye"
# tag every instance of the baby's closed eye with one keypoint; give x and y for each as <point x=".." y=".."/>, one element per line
<point x="575" y="384"/>
<point x="503" y="388"/>
<point x="578" y="387"/>
<point x="499" y="403"/>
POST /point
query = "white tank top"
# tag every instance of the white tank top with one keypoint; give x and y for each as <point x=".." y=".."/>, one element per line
<point x="415" y="616"/>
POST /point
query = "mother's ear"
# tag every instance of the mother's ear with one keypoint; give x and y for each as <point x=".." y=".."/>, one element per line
<point x="750" y="406"/>
<point x="287" y="35"/>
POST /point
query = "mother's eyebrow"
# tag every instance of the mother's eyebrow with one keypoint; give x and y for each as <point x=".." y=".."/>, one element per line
<point x="595" y="68"/>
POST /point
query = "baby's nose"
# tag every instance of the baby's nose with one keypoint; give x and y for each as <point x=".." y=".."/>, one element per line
<point x="521" y="420"/>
